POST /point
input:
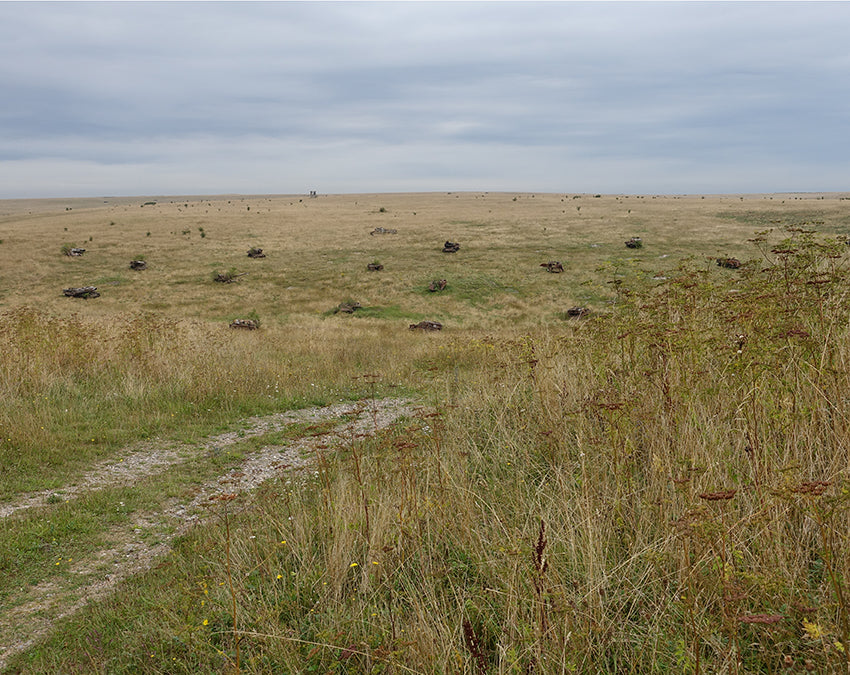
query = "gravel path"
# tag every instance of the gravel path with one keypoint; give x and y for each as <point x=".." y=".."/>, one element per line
<point x="29" y="615"/>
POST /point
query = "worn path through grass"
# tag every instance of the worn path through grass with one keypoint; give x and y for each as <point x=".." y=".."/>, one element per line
<point x="134" y="544"/>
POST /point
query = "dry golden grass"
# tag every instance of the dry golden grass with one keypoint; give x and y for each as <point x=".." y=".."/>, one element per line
<point x="318" y="250"/>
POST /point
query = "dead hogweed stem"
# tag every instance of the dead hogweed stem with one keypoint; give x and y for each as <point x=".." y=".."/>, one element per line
<point x="540" y="567"/>
<point x="474" y="647"/>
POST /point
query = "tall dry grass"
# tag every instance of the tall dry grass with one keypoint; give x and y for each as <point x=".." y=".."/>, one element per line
<point x="76" y="389"/>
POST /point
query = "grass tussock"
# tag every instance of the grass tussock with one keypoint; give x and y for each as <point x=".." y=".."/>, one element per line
<point x="660" y="486"/>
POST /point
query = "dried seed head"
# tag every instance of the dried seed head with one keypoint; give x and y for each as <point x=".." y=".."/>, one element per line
<point x="718" y="496"/>
<point x="540" y="562"/>
<point x="803" y="609"/>
<point x="474" y="646"/>
<point x="817" y="487"/>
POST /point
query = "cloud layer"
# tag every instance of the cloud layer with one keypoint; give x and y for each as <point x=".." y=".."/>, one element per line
<point x="187" y="98"/>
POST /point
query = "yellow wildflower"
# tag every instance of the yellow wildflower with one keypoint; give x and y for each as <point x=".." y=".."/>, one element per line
<point x="813" y="630"/>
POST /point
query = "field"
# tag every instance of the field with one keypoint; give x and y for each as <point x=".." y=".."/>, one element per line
<point x="659" y="485"/>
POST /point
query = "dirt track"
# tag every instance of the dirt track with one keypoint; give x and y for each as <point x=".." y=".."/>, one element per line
<point x="30" y="614"/>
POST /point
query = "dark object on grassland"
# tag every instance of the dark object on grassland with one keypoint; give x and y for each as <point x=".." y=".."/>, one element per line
<point x="729" y="263"/>
<point x="383" y="230"/>
<point x="451" y="247"/>
<point x="73" y="252"/>
<point x="634" y="242"/>
<point x="577" y="312"/>
<point x="249" y="324"/>
<point x="553" y="266"/>
<point x="374" y="267"/>
<point x="227" y="277"/>
<point x="426" y="325"/>
<point x="255" y="252"/>
<point x="438" y="285"/>
<point x="347" y="307"/>
<point x="84" y="292"/>
<point x="138" y="265"/>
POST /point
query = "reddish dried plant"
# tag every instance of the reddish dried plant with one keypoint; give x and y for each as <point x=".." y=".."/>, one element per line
<point x="718" y="496"/>
<point x="817" y="487"/>
<point x="474" y="647"/>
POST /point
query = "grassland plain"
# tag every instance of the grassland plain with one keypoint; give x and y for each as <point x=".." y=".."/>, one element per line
<point x="658" y="487"/>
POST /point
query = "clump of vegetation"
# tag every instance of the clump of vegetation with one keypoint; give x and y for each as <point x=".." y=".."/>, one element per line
<point x="729" y="263"/>
<point x="84" y="292"/>
<point x="249" y="324"/>
<point x="228" y="277"/>
<point x="250" y="321"/>
<point x="347" y="307"/>
<point x="72" y="251"/>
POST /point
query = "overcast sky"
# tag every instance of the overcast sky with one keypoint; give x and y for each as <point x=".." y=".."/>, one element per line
<point x="123" y="98"/>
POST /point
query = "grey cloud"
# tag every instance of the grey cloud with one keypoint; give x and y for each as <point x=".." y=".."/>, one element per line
<point x="417" y="95"/>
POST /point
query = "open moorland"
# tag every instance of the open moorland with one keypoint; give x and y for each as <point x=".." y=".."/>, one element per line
<point x="639" y="464"/>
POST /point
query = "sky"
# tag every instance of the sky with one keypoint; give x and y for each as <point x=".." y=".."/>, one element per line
<point x="162" y="98"/>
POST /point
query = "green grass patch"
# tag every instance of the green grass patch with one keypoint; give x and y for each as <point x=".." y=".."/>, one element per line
<point x="478" y="289"/>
